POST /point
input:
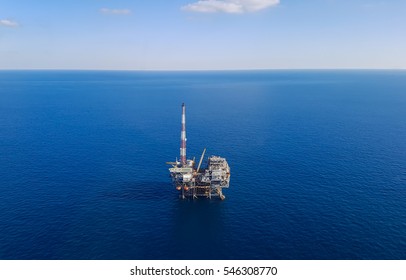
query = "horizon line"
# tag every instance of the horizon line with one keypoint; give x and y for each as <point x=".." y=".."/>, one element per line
<point x="202" y="70"/>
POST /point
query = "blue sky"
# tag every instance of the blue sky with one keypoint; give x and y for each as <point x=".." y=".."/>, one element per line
<point x="205" y="34"/>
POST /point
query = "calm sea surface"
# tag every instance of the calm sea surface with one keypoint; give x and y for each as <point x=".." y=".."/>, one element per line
<point x="318" y="164"/>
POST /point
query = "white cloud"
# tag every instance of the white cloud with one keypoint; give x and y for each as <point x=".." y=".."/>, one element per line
<point x="229" y="6"/>
<point x="8" y="23"/>
<point x="115" y="11"/>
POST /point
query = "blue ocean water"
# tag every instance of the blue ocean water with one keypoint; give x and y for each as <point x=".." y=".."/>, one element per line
<point x="318" y="164"/>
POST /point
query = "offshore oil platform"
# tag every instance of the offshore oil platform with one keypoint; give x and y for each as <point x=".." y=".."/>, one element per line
<point x="198" y="182"/>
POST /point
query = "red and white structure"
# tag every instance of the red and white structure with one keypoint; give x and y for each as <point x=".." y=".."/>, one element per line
<point x="183" y="137"/>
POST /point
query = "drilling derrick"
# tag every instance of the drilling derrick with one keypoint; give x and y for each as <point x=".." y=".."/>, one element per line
<point x="192" y="182"/>
<point x="183" y="137"/>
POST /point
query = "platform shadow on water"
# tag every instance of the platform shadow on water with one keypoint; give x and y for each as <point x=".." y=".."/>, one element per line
<point x="198" y="228"/>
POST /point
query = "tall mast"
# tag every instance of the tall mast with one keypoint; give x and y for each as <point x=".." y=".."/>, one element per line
<point x="183" y="137"/>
